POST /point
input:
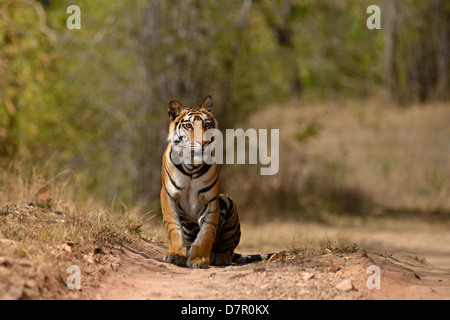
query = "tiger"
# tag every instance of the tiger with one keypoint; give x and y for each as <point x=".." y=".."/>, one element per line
<point x="202" y="225"/>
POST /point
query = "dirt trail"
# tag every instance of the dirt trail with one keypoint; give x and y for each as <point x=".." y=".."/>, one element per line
<point x="144" y="275"/>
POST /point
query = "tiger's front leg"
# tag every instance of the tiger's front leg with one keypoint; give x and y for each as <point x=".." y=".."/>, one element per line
<point x="200" y="251"/>
<point x="177" y="246"/>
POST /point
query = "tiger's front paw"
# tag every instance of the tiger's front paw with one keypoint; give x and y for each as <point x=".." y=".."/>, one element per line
<point x="177" y="259"/>
<point x="198" y="262"/>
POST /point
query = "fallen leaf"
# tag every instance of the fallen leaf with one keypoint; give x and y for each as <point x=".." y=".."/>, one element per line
<point x="43" y="199"/>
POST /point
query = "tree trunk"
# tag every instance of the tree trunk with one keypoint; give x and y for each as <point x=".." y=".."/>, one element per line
<point x="390" y="46"/>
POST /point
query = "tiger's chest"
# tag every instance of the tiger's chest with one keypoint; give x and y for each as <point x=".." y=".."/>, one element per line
<point x="189" y="200"/>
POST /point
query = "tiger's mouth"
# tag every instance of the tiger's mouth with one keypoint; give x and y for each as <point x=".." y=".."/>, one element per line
<point x="200" y="147"/>
<point x="196" y="153"/>
<point x="198" y="150"/>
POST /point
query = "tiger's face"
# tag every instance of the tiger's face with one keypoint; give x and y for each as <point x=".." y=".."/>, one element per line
<point x="188" y="129"/>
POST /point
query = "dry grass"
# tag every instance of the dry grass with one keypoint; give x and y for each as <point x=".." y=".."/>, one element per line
<point x="353" y="158"/>
<point x="400" y="157"/>
<point x="38" y="242"/>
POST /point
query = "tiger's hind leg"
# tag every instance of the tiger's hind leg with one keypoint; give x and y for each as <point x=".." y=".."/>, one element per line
<point x="228" y="234"/>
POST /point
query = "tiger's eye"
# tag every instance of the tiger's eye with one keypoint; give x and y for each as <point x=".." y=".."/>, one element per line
<point x="188" y="126"/>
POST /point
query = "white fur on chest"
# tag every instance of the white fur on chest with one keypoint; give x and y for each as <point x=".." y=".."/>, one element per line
<point x="189" y="199"/>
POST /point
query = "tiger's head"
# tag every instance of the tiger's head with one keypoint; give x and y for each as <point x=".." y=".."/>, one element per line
<point x="188" y="128"/>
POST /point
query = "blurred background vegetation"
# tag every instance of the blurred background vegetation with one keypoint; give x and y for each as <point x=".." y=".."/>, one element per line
<point x="363" y="114"/>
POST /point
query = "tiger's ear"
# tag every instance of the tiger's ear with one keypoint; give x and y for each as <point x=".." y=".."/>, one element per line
<point x="207" y="104"/>
<point x="174" y="108"/>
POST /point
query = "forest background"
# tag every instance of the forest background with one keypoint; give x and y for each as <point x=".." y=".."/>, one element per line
<point x="363" y="113"/>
